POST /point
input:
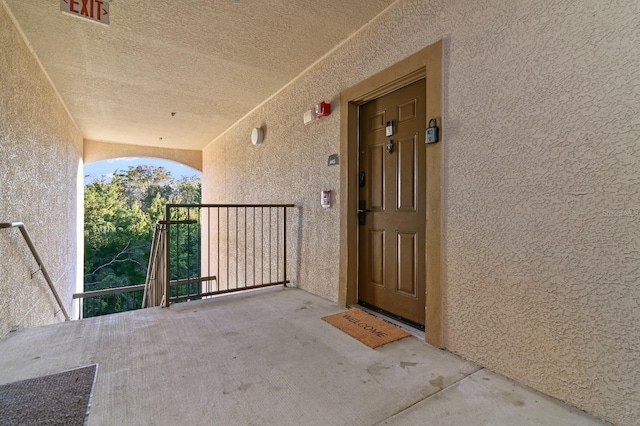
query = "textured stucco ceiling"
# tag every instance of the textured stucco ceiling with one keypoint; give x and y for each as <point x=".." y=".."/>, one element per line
<point x="209" y="61"/>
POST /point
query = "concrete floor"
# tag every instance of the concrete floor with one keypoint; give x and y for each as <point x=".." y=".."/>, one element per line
<point x="266" y="358"/>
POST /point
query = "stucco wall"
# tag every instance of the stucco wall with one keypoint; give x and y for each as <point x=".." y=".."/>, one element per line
<point x="40" y="155"/>
<point x="541" y="200"/>
<point x="95" y="151"/>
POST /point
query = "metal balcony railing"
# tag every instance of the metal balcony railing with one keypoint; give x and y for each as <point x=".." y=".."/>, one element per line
<point x="202" y="250"/>
<point x="212" y="249"/>
<point x="36" y="256"/>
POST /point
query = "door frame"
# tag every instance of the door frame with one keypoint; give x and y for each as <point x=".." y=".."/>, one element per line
<point x="425" y="63"/>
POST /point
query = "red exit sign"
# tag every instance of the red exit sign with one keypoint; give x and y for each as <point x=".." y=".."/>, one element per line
<point x="94" y="10"/>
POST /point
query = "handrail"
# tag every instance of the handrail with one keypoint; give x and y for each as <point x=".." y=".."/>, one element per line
<point x="36" y="256"/>
<point x="233" y="206"/>
<point x="137" y="287"/>
<point x="109" y="291"/>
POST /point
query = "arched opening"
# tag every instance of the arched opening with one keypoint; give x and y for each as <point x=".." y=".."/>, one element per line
<point x="123" y="200"/>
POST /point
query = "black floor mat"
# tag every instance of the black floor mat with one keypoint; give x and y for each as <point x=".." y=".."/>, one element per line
<point x="57" y="399"/>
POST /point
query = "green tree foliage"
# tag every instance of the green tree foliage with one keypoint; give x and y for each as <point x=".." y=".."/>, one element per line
<point x="120" y="217"/>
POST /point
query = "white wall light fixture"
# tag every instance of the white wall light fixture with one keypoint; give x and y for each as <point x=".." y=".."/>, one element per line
<point x="257" y="136"/>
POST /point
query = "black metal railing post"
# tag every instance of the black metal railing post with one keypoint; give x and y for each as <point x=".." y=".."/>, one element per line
<point x="167" y="253"/>
<point x="284" y="246"/>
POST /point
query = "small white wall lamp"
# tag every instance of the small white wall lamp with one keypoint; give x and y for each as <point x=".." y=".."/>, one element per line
<point x="257" y="136"/>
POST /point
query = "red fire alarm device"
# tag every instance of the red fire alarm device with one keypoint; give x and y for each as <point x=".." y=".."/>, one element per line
<point x="323" y="109"/>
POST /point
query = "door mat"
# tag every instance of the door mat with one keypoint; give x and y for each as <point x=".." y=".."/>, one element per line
<point x="366" y="328"/>
<point x="58" y="399"/>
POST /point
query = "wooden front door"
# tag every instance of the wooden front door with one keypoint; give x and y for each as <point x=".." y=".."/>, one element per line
<point x="392" y="203"/>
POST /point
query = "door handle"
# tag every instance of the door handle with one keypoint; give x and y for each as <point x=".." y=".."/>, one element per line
<point x="362" y="212"/>
<point x="362" y="216"/>
<point x="362" y="206"/>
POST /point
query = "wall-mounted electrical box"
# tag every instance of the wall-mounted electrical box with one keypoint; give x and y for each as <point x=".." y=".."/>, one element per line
<point x="325" y="199"/>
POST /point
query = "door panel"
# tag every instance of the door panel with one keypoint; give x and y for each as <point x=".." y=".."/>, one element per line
<point x="376" y="177"/>
<point x="407" y="111"/>
<point x="391" y="272"/>
<point x="406" y="264"/>
<point x="407" y="164"/>
<point x="377" y="121"/>
<point x="376" y="258"/>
